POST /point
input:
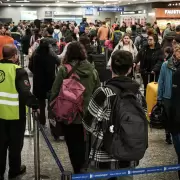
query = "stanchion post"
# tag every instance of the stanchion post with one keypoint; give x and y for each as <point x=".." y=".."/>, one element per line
<point x="29" y="131"/>
<point x="36" y="147"/>
<point x="66" y="175"/>
<point x="37" y="175"/>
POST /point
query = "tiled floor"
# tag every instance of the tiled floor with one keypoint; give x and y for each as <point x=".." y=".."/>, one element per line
<point x="158" y="153"/>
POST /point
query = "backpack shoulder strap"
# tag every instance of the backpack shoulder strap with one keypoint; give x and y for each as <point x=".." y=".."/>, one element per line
<point x="71" y="70"/>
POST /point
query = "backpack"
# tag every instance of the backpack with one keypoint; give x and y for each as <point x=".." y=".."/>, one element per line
<point x="69" y="102"/>
<point x="93" y="33"/>
<point x="156" y="117"/>
<point x="143" y="42"/>
<point x="82" y="28"/>
<point x="56" y="36"/>
<point x="117" y="37"/>
<point x="126" y="138"/>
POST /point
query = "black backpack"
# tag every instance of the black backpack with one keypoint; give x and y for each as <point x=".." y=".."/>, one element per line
<point x="157" y="116"/>
<point x="126" y="138"/>
<point x="143" y="42"/>
<point x="117" y="38"/>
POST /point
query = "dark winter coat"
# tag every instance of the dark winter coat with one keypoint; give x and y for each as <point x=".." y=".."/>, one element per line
<point x="25" y="41"/>
<point x="175" y="102"/>
<point x="43" y="66"/>
<point x="156" y="59"/>
<point x="52" y="42"/>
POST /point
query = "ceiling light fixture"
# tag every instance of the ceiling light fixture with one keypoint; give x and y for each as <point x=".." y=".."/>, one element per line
<point x="22" y="5"/>
<point x="23" y="1"/>
<point x="8" y="0"/>
<point x="57" y="1"/>
<point x="9" y="5"/>
<point x="129" y="3"/>
<point x="47" y="5"/>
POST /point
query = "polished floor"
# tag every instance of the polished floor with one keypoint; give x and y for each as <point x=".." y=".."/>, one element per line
<point x="158" y="153"/>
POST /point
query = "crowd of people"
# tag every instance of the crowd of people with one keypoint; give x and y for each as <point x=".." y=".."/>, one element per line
<point x="58" y="51"/>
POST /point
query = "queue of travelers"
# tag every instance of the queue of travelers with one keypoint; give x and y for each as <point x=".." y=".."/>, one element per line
<point x="64" y="73"/>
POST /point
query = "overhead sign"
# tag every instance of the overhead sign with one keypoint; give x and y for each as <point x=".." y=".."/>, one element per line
<point x="167" y="13"/>
<point x="111" y="9"/>
<point x="60" y="13"/>
<point x="48" y="13"/>
<point x="172" y="11"/>
<point x="28" y="15"/>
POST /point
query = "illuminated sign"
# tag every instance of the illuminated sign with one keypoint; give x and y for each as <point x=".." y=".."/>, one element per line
<point x="171" y="12"/>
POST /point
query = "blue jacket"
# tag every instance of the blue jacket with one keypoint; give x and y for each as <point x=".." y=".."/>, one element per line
<point x="165" y="79"/>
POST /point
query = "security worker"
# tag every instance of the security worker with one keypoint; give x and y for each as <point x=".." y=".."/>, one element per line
<point x="14" y="95"/>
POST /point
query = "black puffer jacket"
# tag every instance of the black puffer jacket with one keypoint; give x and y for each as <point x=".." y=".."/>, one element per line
<point x="52" y="42"/>
<point x="175" y="102"/>
<point x="43" y="66"/>
<point x="156" y="59"/>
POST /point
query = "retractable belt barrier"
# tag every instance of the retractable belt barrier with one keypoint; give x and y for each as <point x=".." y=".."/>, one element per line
<point x="128" y="172"/>
<point x="64" y="175"/>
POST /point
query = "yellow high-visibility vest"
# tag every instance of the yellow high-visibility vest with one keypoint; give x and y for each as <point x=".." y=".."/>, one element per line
<point x="9" y="97"/>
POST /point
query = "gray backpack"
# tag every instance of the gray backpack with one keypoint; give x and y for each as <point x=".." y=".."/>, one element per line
<point x="126" y="137"/>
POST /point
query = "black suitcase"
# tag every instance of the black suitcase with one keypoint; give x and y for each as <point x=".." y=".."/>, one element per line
<point x="56" y="129"/>
<point x="100" y="62"/>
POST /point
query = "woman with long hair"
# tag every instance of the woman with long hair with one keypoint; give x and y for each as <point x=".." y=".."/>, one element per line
<point x="74" y="132"/>
<point x="126" y="44"/>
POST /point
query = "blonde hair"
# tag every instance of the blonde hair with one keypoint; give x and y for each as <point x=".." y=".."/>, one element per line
<point x="177" y="47"/>
<point x="128" y="30"/>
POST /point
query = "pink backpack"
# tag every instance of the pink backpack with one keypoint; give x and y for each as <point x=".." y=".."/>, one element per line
<point x="69" y="102"/>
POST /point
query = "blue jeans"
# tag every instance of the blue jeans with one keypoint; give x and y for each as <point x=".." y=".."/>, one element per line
<point x="176" y="142"/>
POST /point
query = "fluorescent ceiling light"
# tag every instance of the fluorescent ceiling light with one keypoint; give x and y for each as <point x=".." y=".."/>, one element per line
<point x="22" y="5"/>
<point x="9" y="5"/>
<point x="8" y="0"/>
<point x="86" y="2"/>
<point x="23" y="1"/>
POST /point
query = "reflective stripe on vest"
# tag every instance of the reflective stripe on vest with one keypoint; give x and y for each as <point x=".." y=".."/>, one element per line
<point x="9" y="98"/>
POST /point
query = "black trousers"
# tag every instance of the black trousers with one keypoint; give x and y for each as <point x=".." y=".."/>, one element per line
<point x="12" y="139"/>
<point x="74" y="136"/>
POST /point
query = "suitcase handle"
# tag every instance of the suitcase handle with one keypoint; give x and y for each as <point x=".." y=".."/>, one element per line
<point x="149" y="77"/>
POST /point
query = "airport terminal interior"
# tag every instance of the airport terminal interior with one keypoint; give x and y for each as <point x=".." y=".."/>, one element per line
<point x="84" y="18"/>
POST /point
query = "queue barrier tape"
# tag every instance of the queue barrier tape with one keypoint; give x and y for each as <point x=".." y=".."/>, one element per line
<point x="126" y="172"/>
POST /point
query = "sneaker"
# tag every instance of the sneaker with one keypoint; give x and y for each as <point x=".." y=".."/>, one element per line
<point x="22" y="171"/>
<point x="169" y="141"/>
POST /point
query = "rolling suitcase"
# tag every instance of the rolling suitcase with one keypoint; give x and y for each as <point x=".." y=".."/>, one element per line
<point x="151" y="95"/>
<point x="100" y="62"/>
